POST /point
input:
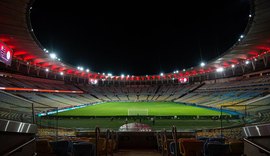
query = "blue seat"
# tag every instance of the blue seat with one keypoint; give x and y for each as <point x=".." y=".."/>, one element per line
<point x="172" y="149"/>
<point x="62" y="148"/>
<point x="213" y="142"/>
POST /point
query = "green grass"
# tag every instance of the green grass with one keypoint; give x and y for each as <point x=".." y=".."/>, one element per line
<point x="160" y="124"/>
<point x="154" y="108"/>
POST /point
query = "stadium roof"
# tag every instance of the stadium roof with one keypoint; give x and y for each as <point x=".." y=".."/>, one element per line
<point x="17" y="33"/>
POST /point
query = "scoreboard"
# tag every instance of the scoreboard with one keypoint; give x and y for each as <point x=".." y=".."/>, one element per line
<point x="5" y="54"/>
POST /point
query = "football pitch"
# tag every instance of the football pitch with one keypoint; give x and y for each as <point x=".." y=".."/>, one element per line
<point x="114" y="114"/>
<point x="141" y="108"/>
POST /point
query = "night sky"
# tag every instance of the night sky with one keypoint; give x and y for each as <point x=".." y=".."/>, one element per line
<point x="138" y="38"/>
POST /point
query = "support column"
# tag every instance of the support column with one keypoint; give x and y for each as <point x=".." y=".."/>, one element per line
<point x="233" y="70"/>
<point x="265" y="60"/>
<point x="253" y="63"/>
<point x="28" y="68"/>
<point x="18" y="64"/>
<point x="243" y="68"/>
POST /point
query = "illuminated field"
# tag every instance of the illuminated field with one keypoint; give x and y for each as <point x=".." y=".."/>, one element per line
<point x="153" y="108"/>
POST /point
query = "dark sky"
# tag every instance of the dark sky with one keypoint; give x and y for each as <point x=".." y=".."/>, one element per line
<point x="138" y="38"/>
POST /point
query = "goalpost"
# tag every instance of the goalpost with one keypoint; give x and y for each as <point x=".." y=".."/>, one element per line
<point x="135" y="112"/>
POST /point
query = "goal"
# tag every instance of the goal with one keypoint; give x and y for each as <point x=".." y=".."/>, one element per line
<point x="135" y="112"/>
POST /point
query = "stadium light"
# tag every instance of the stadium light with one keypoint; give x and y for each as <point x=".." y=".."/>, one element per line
<point x="87" y="70"/>
<point x="47" y="70"/>
<point x="53" y="56"/>
<point x="44" y="49"/>
<point x="61" y="73"/>
<point x="59" y="59"/>
<point x="161" y="74"/>
<point x="249" y="15"/>
<point x="184" y="70"/>
<point x="220" y="69"/>
<point x="80" y="68"/>
<point x="122" y="75"/>
<point x="233" y="66"/>
<point x="247" y="62"/>
<point x="242" y="36"/>
<point x="202" y="64"/>
<point x="103" y="73"/>
<point x="109" y="74"/>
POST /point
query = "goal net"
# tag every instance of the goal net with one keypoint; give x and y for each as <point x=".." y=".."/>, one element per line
<point x="134" y="112"/>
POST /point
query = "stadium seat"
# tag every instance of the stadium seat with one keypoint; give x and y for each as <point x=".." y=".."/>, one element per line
<point x="173" y="151"/>
<point x="236" y="148"/>
<point x="190" y="147"/>
<point x="62" y="148"/>
<point x="215" y="148"/>
<point x="84" y="149"/>
<point x="101" y="146"/>
<point x="44" y="148"/>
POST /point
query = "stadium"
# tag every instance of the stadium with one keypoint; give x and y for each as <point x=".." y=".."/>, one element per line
<point x="49" y="107"/>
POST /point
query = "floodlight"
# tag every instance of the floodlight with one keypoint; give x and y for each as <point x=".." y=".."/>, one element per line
<point x="47" y="70"/>
<point x="220" y="69"/>
<point x="202" y="64"/>
<point x="233" y="66"/>
<point x="247" y="62"/>
<point x="53" y="56"/>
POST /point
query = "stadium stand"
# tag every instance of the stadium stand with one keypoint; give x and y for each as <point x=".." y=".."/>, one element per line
<point x="27" y="90"/>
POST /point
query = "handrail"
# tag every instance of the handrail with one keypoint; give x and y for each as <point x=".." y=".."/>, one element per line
<point x="97" y="131"/>
<point x="164" y="142"/>
<point x="108" y="135"/>
<point x="256" y="145"/>
<point x="19" y="147"/>
<point x="174" y="135"/>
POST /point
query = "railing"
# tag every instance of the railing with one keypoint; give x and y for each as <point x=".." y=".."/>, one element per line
<point x="174" y="135"/>
<point x="97" y="132"/>
<point x="244" y="115"/>
<point x="19" y="147"/>
<point x="257" y="146"/>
